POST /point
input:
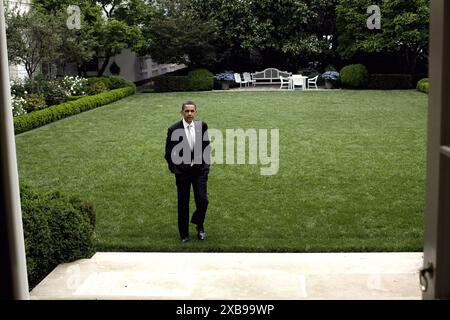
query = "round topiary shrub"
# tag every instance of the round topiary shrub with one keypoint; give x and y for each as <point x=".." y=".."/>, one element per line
<point x="354" y="76"/>
<point x="97" y="88"/>
<point x="200" y="80"/>
<point x="423" y="85"/>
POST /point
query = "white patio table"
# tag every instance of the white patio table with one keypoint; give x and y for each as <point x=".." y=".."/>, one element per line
<point x="303" y="79"/>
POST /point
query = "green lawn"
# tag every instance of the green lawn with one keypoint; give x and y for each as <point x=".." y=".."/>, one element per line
<point x="351" y="176"/>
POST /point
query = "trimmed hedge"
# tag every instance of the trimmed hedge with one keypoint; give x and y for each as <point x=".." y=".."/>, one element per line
<point x="354" y="76"/>
<point x="42" y="117"/>
<point x="390" y="81"/>
<point x="196" y="80"/>
<point x="57" y="228"/>
<point x="73" y="98"/>
<point x="423" y="85"/>
<point x="170" y="83"/>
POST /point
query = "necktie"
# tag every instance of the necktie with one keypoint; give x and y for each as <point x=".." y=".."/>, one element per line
<point x="191" y="137"/>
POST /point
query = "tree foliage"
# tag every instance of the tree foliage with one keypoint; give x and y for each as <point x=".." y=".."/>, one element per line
<point x="31" y="39"/>
<point x="108" y="26"/>
<point x="178" y="37"/>
<point x="226" y="28"/>
<point x="404" y="29"/>
<point x="229" y="33"/>
<point x="75" y="45"/>
<point x="115" y="35"/>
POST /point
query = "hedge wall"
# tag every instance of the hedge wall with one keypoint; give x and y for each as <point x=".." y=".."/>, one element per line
<point x="42" y="117"/>
<point x="171" y="84"/>
<point x="57" y="228"/>
<point x="391" y="81"/>
<point x="196" y="80"/>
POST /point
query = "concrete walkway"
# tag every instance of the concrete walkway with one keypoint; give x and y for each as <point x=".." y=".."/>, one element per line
<point x="223" y="276"/>
<point x="274" y="88"/>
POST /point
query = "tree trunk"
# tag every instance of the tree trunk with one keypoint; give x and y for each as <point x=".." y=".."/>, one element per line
<point x="80" y="68"/>
<point x="413" y="62"/>
<point x="29" y="70"/>
<point x="62" y="68"/>
<point x="406" y="65"/>
<point x="410" y="57"/>
<point x="103" y="67"/>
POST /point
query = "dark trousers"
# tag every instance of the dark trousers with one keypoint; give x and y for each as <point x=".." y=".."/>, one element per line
<point x="199" y="180"/>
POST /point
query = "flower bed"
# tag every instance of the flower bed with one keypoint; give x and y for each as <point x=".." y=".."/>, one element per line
<point x="42" y="117"/>
<point x="32" y="95"/>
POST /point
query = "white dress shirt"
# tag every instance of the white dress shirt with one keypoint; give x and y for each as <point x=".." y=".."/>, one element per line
<point x="191" y="134"/>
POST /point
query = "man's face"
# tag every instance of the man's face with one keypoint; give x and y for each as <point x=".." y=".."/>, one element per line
<point x="189" y="113"/>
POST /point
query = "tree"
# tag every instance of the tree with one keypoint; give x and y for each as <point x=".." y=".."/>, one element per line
<point x="90" y="11"/>
<point x="32" y="39"/>
<point x="125" y="26"/>
<point x="288" y="30"/>
<point x="404" y="29"/>
<point x="177" y="36"/>
<point x="78" y="45"/>
<point x="108" y="26"/>
<point x="140" y="13"/>
<point x="113" y="36"/>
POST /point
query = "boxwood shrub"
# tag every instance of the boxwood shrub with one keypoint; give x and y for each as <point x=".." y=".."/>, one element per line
<point x="423" y="85"/>
<point x="42" y="117"/>
<point x="354" y="76"/>
<point x="57" y="228"/>
<point x="93" y="80"/>
<point x="116" y="82"/>
<point x="97" y="88"/>
<point x="200" y="80"/>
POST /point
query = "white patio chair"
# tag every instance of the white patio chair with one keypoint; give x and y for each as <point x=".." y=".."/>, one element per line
<point x="248" y="78"/>
<point x="237" y="79"/>
<point x="297" y="80"/>
<point x="313" y="82"/>
<point x="284" y="82"/>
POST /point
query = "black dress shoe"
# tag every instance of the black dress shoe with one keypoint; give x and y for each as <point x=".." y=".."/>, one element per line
<point x="201" y="235"/>
<point x="184" y="240"/>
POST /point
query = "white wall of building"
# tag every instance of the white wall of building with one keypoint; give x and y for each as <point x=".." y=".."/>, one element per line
<point x="137" y="68"/>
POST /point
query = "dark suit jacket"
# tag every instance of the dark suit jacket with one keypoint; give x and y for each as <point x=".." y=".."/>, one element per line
<point x="178" y="153"/>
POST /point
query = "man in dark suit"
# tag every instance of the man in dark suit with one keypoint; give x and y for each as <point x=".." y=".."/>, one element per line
<point x="188" y="155"/>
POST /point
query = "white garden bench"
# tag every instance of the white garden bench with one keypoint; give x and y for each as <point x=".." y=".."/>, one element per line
<point x="269" y="76"/>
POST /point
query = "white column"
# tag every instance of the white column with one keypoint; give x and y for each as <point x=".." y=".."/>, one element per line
<point x="13" y="269"/>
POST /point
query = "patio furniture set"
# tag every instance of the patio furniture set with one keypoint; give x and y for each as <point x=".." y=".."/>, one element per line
<point x="272" y="76"/>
